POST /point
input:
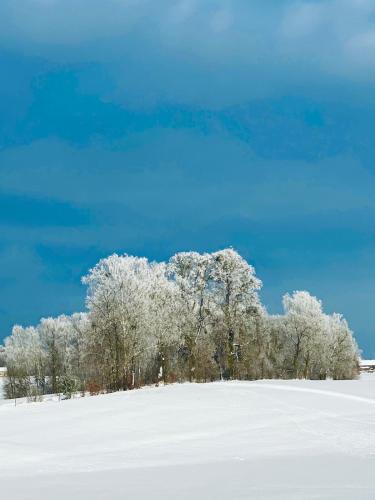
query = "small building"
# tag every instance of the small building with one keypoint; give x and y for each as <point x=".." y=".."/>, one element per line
<point x="3" y="371"/>
<point x="367" y="365"/>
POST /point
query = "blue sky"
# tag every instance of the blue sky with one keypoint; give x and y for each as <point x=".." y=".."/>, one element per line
<point x="152" y="127"/>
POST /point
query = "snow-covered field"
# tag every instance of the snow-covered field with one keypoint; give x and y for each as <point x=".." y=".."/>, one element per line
<point x="232" y="440"/>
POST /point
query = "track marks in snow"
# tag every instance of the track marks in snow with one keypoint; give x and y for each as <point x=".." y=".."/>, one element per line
<point x="292" y="388"/>
<point x="348" y="429"/>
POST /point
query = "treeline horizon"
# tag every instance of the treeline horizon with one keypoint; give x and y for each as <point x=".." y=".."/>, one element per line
<point x="197" y="317"/>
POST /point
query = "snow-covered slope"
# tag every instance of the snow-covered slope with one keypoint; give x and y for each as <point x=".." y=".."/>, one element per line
<point x="235" y="440"/>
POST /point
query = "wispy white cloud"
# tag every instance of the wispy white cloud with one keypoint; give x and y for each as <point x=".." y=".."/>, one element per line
<point x="181" y="45"/>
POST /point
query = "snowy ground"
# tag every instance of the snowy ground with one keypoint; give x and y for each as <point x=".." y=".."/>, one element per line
<point x="235" y="440"/>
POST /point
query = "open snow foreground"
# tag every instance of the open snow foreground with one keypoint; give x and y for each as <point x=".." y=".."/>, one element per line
<point x="231" y="440"/>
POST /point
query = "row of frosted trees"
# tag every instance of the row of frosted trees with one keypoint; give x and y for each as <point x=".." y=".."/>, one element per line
<point x="196" y="318"/>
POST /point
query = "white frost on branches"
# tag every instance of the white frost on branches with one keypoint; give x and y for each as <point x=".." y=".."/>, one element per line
<point x="196" y="317"/>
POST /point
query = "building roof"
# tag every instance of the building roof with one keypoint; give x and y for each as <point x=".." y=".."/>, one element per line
<point x="367" y="362"/>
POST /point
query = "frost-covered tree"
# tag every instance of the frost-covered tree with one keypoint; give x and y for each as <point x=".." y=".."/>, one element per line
<point x="24" y="360"/>
<point x="2" y="356"/>
<point x="197" y="317"/>
<point x="234" y="288"/>
<point x="279" y="346"/>
<point x="164" y="312"/>
<point x="259" y="352"/>
<point x="54" y="344"/>
<point x="122" y="291"/>
<point x="191" y="273"/>
<point x="42" y="355"/>
<point x="75" y="360"/>
<point x="343" y="353"/>
<point x="304" y="325"/>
